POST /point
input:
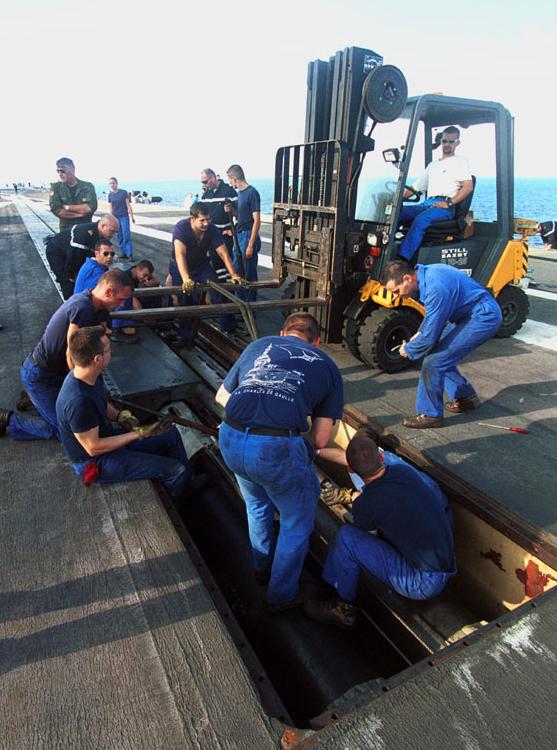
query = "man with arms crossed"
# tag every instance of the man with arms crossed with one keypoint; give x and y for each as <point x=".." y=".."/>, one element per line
<point x="73" y="201"/>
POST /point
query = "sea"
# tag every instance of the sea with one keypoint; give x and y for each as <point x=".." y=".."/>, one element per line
<point x="535" y="198"/>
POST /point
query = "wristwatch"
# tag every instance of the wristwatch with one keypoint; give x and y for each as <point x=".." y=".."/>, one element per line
<point x="449" y="202"/>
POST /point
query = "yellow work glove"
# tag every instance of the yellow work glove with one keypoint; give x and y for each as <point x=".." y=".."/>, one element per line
<point x="188" y="286"/>
<point x="127" y="420"/>
<point x="331" y="495"/>
<point x="157" y="428"/>
<point x="237" y="279"/>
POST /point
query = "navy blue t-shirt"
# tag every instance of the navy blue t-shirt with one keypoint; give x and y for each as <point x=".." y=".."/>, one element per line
<point x="197" y="252"/>
<point x="411" y="513"/>
<point x="50" y="352"/>
<point x="281" y="380"/>
<point x="117" y="198"/>
<point x="79" y="408"/>
<point x="248" y="202"/>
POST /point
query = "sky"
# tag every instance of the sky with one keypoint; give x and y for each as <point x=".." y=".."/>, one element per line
<point x="160" y="89"/>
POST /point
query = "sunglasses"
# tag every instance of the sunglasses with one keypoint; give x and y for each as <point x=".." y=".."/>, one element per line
<point x="109" y="254"/>
<point x="60" y="171"/>
<point x="204" y="182"/>
<point x="445" y="140"/>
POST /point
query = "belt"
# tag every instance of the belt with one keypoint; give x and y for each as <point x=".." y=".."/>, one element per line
<point x="256" y="430"/>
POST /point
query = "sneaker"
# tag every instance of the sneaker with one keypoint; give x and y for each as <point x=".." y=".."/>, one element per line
<point x="332" y="612"/>
<point x="4" y="420"/>
<point x="24" y="403"/>
<point x="422" y="421"/>
<point x="119" y="337"/>
<point x="469" y="403"/>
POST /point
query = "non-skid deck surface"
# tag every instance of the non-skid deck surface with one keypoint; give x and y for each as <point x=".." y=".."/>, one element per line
<point x="108" y="639"/>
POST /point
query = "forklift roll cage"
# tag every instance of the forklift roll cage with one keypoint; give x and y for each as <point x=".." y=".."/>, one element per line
<point x="330" y="252"/>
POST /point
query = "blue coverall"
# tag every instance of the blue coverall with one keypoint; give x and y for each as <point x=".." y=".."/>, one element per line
<point x="449" y="296"/>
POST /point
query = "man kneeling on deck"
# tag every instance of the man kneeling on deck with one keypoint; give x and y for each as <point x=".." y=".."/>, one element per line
<point x="96" y="449"/>
<point x="411" y="549"/>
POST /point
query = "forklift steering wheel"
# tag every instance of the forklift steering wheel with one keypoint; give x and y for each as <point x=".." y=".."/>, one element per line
<point x="415" y="197"/>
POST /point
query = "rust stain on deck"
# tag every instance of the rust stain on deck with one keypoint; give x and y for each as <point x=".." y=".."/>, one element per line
<point x="533" y="579"/>
<point x="495" y="558"/>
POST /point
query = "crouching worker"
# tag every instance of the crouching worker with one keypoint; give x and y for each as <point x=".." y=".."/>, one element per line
<point x="97" y="450"/>
<point x="411" y="548"/>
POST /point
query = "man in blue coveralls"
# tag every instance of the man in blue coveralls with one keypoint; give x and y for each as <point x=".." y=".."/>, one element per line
<point x="192" y="241"/>
<point x="90" y="440"/>
<point x="412" y="547"/>
<point x="249" y="224"/>
<point x="449" y="296"/>
<point x="268" y="395"/>
<point x="44" y="370"/>
<point x="93" y="268"/>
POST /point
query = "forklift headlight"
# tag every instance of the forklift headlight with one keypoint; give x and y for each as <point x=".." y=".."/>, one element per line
<point x="372" y="239"/>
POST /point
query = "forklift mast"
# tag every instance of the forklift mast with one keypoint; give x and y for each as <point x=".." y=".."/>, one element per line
<point x="316" y="182"/>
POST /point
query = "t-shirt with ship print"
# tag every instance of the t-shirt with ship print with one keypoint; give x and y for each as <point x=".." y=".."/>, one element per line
<point x="281" y="380"/>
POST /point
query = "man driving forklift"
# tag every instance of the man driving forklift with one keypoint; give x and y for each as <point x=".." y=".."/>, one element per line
<point x="448" y="181"/>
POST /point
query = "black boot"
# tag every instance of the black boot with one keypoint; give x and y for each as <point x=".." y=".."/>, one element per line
<point x="5" y="415"/>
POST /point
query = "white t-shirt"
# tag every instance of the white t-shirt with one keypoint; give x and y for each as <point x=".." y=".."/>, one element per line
<point x="444" y="176"/>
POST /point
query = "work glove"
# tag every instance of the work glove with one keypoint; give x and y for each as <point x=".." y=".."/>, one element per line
<point x="127" y="420"/>
<point x="331" y="495"/>
<point x="237" y="279"/>
<point x="160" y="427"/>
<point x="188" y="286"/>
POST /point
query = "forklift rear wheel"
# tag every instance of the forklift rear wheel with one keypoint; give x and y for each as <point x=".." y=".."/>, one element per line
<point x="381" y="334"/>
<point x="514" y="305"/>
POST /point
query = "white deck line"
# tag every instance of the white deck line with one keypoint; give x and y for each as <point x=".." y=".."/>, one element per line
<point x="539" y="334"/>
<point x="540" y="293"/>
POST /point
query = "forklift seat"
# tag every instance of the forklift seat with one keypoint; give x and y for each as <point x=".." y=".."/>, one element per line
<point x="454" y="228"/>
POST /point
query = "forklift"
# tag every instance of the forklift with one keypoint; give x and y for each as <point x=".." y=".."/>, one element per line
<point x="338" y="198"/>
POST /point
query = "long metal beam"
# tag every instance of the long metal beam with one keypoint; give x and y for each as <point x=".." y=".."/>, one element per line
<point x="213" y="311"/>
<point x="157" y="291"/>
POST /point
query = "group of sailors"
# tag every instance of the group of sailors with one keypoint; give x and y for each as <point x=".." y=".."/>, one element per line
<point x="402" y="531"/>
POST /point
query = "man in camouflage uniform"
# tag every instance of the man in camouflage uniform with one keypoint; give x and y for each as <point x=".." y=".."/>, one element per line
<point x="73" y="201"/>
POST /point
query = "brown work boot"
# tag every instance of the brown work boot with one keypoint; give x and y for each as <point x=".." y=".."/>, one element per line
<point x="422" y="421"/>
<point x="332" y="612"/>
<point x="24" y="402"/>
<point x="5" y="415"/>
<point x="469" y="403"/>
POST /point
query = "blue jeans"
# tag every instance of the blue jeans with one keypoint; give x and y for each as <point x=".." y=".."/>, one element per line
<point x="124" y="236"/>
<point x="120" y="322"/>
<point x="355" y="550"/>
<point x="43" y="389"/>
<point x="422" y="217"/>
<point x="161" y="457"/>
<point x="250" y="264"/>
<point x="275" y="473"/>
<point x="439" y="371"/>
<point x="203" y="273"/>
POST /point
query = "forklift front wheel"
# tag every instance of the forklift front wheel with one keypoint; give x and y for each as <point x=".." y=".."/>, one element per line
<point x="515" y="306"/>
<point x="381" y="334"/>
